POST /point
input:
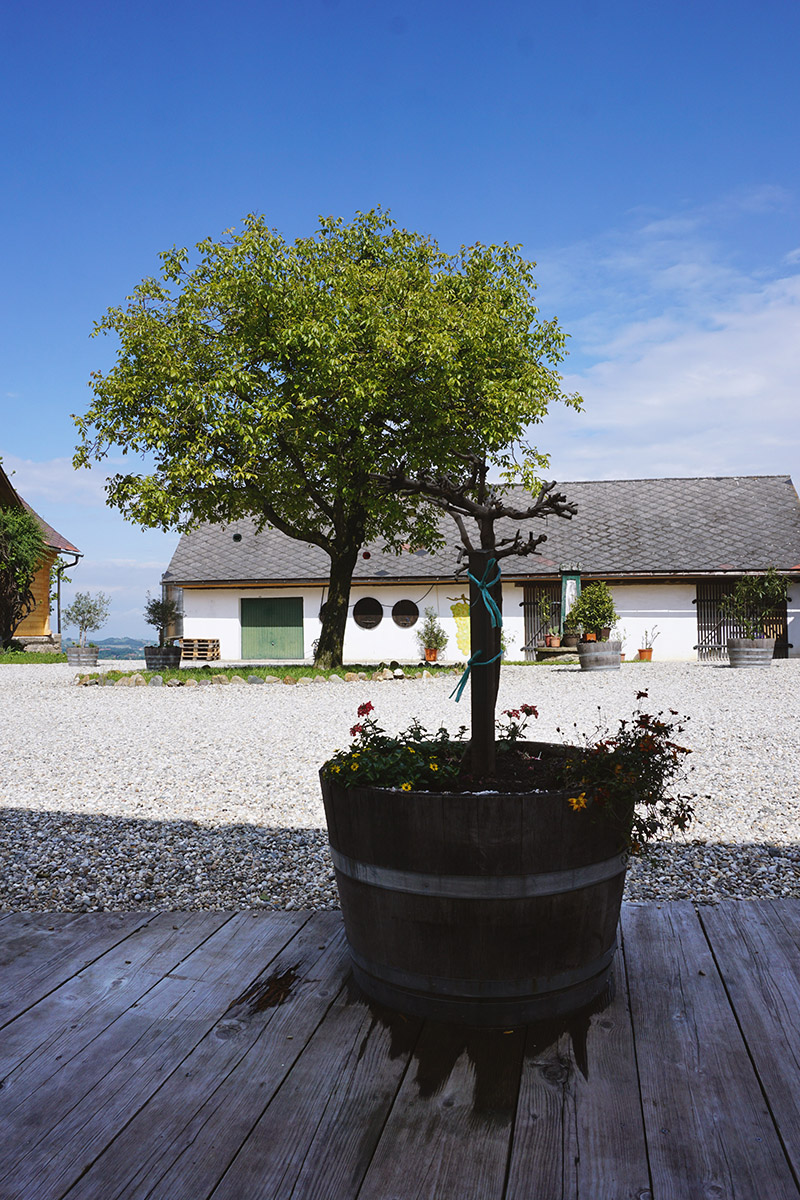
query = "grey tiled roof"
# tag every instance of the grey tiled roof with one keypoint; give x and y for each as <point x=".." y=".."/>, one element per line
<point x="623" y="527"/>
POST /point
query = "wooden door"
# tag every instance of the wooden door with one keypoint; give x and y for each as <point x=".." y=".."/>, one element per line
<point x="272" y="628"/>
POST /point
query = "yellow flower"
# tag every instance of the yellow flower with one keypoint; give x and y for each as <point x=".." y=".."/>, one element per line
<point x="577" y="802"/>
<point x="410" y="751"/>
<point x="336" y="769"/>
<point x="353" y="766"/>
<point x="434" y="766"/>
<point x="405" y="787"/>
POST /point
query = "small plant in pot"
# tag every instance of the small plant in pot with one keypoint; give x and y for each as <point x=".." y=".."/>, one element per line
<point x="431" y="637"/>
<point x="161" y="613"/>
<point x="751" y="608"/>
<point x="480" y="881"/>
<point x="87" y="613"/>
<point x="646" y="648"/>
<point x="594" y="610"/>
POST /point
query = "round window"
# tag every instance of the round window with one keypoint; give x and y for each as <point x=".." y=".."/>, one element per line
<point x="405" y="614"/>
<point x="368" y="612"/>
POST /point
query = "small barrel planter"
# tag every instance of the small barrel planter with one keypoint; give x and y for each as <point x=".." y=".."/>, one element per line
<point x="162" y="658"/>
<point x="478" y="908"/>
<point x="750" y="652"/>
<point x="599" y="656"/>
<point x="82" y="656"/>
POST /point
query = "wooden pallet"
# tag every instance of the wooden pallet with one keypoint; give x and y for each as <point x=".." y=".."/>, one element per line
<point x="205" y="649"/>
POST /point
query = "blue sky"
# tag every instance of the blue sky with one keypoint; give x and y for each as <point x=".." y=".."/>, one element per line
<point x="645" y="155"/>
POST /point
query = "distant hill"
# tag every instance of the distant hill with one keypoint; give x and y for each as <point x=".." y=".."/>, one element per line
<point x="114" y="647"/>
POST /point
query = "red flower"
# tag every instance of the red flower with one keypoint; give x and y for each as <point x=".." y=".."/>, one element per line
<point x="356" y="729"/>
<point x="365" y="709"/>
<point x="529" y="710"/>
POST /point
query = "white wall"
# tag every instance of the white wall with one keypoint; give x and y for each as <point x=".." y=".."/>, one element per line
<point x="215" y="613"/>
<point x="667" y="606"/>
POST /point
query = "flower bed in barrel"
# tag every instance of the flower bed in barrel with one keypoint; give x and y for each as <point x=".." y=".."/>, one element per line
<point x="480" y="880"/>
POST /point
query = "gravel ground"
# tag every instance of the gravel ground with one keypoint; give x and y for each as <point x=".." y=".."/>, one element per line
<point x="179" y="798"/>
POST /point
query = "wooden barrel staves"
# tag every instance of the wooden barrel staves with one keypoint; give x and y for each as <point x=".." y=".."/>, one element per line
<point x="600" y="656"/>
<point x="478" y="908"/>
<point x="750" y="652"/>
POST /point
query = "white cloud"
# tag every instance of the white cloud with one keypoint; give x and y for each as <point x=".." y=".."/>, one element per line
<point x="56" y="481"/>
<point x="715" y="392"/>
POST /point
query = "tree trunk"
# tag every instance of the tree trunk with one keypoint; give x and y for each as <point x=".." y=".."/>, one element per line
<point x="484" y="680"/>
<point x="330" y="647"/>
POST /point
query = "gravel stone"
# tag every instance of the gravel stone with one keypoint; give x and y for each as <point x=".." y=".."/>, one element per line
<point x="172" y="798"/>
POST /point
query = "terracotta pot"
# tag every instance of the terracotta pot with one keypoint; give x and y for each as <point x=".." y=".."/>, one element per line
<point x="646" y="655"/>
<point x="431" y="654"/>
<point x="548" y="641"/>
<point x="555" y="641"/>
<point x="590" y="637"/>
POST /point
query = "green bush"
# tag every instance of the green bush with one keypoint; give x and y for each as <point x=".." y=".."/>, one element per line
<point x="594" y="609"/>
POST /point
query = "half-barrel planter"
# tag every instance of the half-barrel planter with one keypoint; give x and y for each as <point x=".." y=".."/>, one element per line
<point x="485" y="908"/>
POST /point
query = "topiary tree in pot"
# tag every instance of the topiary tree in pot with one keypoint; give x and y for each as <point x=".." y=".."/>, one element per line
<point x="161" y="613"/>
<point x="751" y="607"/>
<point x="594" y="610"/>
<point x="88" y="613"/>
<point x="480" y="882"/>
<point x="431" y="637"/>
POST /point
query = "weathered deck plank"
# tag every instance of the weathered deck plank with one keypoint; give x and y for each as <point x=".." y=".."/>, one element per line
<point x="460" y="1092"/>
<point x="328" y="1133"/>
<point x="58" y="1131"/>
<point x="758" y="954"/>
<point x="578" y="1130"/>
<point x="709" y="1131"/>
<point x="211" y="1056"/>
<point x="39" y="951"/>
<point x="72" y="1016"/>
<point x="190" y="1132"/>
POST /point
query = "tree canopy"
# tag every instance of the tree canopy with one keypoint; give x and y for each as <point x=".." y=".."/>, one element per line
<point x="22" y="552"/>
<point x="278" y="380"/>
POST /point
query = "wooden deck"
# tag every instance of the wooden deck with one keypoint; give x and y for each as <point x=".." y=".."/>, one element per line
<point x="189" y="1055"/>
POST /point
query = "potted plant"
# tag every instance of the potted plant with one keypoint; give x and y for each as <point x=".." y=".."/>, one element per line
<point x="751" y="607"/>
<point x="481" y="881"/>
<point x="571" y="635"/>
<point x="88" y="613"/>
<point x="545" y="619"/>
<point x="553" y="636"/>
<point x="646" y="648"/>
<point x="431" y="636"/>
<point x="594" y="610"/>
<point x="161" y="613"/>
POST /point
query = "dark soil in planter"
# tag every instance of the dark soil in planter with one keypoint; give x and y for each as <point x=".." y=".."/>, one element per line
<point x="525" y="768"/>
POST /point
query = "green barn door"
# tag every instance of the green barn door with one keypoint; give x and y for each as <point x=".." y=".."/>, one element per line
<point x="272" y="628"/>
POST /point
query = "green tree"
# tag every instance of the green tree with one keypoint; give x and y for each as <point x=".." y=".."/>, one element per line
<point x="22" y="552"/>
<point x="278" y="381"/>
<point x="88" y="613"/>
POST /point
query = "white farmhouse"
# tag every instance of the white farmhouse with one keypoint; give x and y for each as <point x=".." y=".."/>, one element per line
<point x="669" y="549"/>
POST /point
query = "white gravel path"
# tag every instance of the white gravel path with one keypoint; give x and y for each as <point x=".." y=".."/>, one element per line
<point x="119" y="798"/>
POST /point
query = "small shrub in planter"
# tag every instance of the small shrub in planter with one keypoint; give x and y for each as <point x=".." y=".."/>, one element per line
<point x="88" y="613"/>
<point x="431" y="637"/>
<point x="594" y="610"/>
<point x="751" y="606"/>
<point x="161" y="613"/>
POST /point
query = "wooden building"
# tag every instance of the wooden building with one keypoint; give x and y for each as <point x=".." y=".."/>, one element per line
<point x="35" y="631"/>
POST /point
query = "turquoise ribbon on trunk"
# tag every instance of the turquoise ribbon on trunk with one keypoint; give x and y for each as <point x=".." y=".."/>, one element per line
<point x="483" y="586"/>
<point x="458" y="690"/>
